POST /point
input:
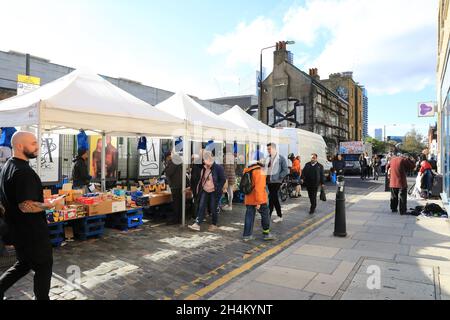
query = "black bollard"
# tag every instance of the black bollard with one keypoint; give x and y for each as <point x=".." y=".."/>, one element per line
<point x="340" y="228"/>
<point x="386" y="184"/>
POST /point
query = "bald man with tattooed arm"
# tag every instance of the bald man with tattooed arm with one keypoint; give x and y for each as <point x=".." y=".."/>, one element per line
<point x="21" y="193"/>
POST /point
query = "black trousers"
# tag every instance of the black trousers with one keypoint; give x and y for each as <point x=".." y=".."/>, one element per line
<point x="396" y="195"/>
<point x="274" y="199"/>
<point x="42" y="267"/>
<point x="177" y="205"/>
<point x="312" y="194"/>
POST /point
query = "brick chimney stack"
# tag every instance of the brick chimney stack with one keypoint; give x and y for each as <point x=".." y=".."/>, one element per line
<point x="281" y="54"/>
<point x="314" y="73"/>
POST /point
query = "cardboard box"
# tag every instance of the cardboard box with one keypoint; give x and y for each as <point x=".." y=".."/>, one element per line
<point x="69" y="197"/>
<point x="77" y="194"/>
<point x="104" y="207"/>
<point x="67" y="186"/>
<point x="119" y="206"/>
<point x="157" y="199"/>
<point x="47" y="193"/>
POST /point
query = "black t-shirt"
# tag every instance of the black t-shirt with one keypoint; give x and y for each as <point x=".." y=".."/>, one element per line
<point x="19" y="183"/>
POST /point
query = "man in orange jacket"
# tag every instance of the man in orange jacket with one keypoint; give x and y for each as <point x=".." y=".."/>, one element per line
<point x="257" y="200"/>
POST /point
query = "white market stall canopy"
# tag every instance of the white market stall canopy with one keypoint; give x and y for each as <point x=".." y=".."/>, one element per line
<point x="83" y="100"/>
<point x="200" y="122"/>
<point x="258" y="131"/>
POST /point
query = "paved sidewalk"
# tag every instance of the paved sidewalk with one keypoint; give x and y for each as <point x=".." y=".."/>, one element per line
<point x="411" y="255"/>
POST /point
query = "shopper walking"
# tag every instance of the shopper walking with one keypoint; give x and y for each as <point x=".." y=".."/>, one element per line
<point x="296" y="172"/>
<point x="276" y="170"/>
<point x="363" y="165"/>
<point x="256" y="201"/>
<point x="376" y="162"/>
<point x="209" y="190"/>
<point x="80" y="171"/>
<point x="174" y="173"/>
<point x="339" y="165"/>
<point x="22" y="195"/>
<point x="397" y="169"/>
<point x="230" y="174"/>
<point x="426" y="172"/>
<point x="313" y="178"/>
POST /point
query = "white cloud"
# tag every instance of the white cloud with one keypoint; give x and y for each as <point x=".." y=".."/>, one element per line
<point x="389" y="44"/>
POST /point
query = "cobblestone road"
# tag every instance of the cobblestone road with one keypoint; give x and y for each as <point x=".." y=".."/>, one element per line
<point x="165" y="262"/>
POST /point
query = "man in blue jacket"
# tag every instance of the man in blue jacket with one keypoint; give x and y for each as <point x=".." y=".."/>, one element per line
<point x="276" y="169"/>
<point x="209" y="191"/>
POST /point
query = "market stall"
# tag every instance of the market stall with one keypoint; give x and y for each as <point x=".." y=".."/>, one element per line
<point x="259" y="133"/>
<point x="86" y="100"/>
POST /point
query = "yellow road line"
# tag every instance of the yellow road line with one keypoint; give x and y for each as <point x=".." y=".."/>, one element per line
<point x="258" y="259"/>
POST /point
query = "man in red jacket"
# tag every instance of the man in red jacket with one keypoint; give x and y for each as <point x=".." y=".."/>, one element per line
<point x="397" y="170"/>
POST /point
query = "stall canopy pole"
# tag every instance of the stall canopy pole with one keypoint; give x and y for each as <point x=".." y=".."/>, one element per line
<point x="186" y="153"/>
<point x="39" y="155"/>
<point x="103" y="162"/>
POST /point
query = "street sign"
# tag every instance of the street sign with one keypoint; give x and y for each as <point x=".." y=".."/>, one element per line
<point x="427" y="109"/>
<point x="26" y="84"/>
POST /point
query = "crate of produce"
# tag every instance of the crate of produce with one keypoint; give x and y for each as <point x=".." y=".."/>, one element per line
<point x="125" y="220"/>
<point x="89" y="227"/>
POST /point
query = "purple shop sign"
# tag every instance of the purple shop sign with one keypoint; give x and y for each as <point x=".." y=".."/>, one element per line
<point x="426" y="109"/>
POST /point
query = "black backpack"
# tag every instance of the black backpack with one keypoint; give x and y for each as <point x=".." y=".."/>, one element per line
<point x="246" y="186"/>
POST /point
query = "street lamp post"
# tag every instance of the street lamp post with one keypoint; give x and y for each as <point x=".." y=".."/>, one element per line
<point x="261" y="79"/>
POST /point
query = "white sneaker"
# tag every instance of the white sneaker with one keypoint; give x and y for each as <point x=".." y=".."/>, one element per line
<point x="227" y="208"/>
<point x="195" y="227"/>
<point x="277" y="220"/>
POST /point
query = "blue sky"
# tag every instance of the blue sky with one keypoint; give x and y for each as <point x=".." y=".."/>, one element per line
<point x="211" y="48"/>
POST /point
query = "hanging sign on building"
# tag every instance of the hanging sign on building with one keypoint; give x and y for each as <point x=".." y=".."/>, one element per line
<point x="427" y="109"/>
<point x="27" y="84"/>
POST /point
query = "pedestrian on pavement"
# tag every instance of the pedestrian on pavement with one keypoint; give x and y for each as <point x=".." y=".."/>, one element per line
<point x="21" y="193"/>
<point x="397" y="169"/>
<point x="174" y="173"/>
<point x="80" y="171"/>
<point x="209" y="191"/>
<point x="296" y="172"/>
<point x="426" y="171"/>
<point x="339" y="165"/>
<point x="313" y="178"/>
<point x="363" y="165"/>
<point x="276" y="170"/>
<point x="257" y="201"/>
<point x="230" y="174"/>
<point x="376" y="167"/>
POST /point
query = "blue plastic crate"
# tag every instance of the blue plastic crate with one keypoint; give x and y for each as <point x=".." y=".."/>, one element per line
<point x="89" y="227"/>
<point x="125" y="220"/>
<point x="57" y="235"/>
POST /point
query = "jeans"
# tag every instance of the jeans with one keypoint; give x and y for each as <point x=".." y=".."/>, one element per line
<point x="274" y="200"/>
<point x="312" y="194"/>
<point x="428" y="181"/>
<point x="250" y="220"/>
<point x="42" y="274"/>
<point x="395" y="192"/>
<point x="207" y="199"/>
<point x="230" y="194"/>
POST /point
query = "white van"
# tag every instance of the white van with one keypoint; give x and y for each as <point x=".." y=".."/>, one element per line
<point x="305" y="143"/>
